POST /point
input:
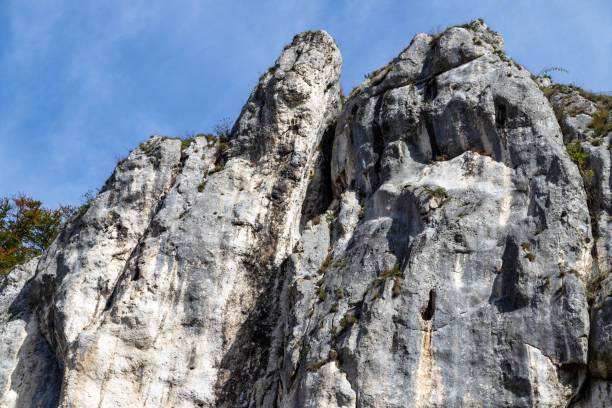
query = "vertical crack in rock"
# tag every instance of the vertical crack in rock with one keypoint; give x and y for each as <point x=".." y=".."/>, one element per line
<point x="500" y="115"/>
<point x="428" y="312"/>
<point x="319" y="194"/>
<point x="428" y="381"/>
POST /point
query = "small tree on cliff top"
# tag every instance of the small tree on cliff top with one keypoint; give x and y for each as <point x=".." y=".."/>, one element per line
<point x="27" y="229"/>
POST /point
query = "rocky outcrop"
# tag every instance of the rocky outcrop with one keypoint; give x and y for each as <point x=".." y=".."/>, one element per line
<point x="162" y="292"/>
<point x="429" y="243"/>
<point x="463" y="269"/>
<point x="586" y="122"/>
<point x="29" y="373"/>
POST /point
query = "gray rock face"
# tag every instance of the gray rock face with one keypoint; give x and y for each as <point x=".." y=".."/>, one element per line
<point x="576" y="111"/>
<point x="465" y="276"/>
<point x="430" y="243"/>
<point x="598" y="394"/>
<point x="29" y="373"/>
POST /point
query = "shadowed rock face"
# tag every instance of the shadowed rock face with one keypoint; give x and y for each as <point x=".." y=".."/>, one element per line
<point x="430" y="243"/>
<point x="29" y="373"/>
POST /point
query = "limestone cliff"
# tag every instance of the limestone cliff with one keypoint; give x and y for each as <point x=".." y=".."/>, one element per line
<point x="440" y="239"/>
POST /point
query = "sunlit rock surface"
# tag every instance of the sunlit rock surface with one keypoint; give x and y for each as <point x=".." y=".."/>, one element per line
<point x="428" y="243"/>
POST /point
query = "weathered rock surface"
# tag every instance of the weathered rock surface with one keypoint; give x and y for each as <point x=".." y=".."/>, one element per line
<point x="29" y="373"/>
<point x="576" y="111"/>
<point x="598" y="394"/>
<point x="430" y="243"/>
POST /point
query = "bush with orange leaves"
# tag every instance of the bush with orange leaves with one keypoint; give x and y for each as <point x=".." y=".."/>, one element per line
<point x="27" y="229"/>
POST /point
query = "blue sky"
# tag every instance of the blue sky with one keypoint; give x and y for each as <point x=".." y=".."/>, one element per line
<point x="83" y="82"/>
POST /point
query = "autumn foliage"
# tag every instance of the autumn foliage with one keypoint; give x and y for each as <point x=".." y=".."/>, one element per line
<point x="27" y="228"/>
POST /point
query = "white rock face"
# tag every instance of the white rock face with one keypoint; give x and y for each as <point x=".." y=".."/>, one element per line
<point x="430" y="243"/>
<point x="29" y="373"/>
<point x="148" y="302"/>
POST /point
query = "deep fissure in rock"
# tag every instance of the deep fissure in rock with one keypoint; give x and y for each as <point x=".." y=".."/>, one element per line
<point x="428" y="312"/>
<point x="500" y="115"/>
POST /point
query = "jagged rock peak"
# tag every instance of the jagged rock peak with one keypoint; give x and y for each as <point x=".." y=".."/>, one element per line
<point x="428" y="243"/>
<point x="303" y="82"/>
<point x="429" y="55"/>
